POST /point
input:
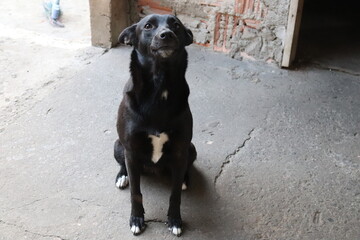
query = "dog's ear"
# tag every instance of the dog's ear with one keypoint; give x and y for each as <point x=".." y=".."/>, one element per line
<point x="189" y="38"/>
<point x="128" y="36"/>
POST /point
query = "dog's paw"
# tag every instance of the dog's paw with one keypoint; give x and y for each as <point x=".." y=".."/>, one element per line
<point x="137" y="225"/>
<point x="175" y="226"/>
<point x="122" y="182"/>
<point x="184" y="186"/>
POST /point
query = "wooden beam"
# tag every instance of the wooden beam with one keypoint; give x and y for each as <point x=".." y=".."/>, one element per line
<point x="292" y="32"/>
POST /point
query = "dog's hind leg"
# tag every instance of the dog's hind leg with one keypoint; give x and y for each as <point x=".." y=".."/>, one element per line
<point x="192" y="157"/>
<point x="121" y="180"/>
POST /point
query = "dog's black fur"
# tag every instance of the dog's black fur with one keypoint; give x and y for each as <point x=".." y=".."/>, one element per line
<point x="155" y="106"/>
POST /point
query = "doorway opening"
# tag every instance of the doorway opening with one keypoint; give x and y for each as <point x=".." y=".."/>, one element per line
<point x="330" y="35"/>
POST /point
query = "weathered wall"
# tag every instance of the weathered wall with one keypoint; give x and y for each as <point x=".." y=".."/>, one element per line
<point x="253" y="29"/>
<point x="108" y="18"/>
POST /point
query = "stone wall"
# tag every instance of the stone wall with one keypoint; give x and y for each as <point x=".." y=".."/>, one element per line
<point x="252" y="29"/>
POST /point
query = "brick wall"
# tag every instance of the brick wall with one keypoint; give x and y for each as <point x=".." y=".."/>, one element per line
<point x="252" y="29"/>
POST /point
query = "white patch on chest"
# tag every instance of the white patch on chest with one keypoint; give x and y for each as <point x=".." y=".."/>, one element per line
<point x="158" y="142"/>
<point x="164" y="95"/>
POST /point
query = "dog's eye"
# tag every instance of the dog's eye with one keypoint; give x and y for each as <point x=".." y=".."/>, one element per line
<point x="177" y="25"/>
<point x="148" y="26"/>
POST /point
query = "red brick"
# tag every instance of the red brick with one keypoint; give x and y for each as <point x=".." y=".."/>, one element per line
<point x="252" y="23"/>
<point x="155" y="6"/>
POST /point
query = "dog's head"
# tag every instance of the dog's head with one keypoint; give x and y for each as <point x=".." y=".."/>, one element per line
<point x="159" y="36"/>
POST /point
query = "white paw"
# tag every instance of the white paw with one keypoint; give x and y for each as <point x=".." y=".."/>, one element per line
<point x="183" y="187"/>
<point x="122" y="182"/>
<point x="176" y="231"/>
<point x="135" y="230"/>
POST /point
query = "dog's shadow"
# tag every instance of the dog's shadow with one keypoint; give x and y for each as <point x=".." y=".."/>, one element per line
<point x="199" y="201"/>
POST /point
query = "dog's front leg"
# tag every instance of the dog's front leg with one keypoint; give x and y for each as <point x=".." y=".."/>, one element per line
<point x="137" y="223"/>
<point x="174" y="217"/>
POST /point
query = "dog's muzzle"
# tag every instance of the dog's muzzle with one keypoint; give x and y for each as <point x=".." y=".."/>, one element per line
<point x="165" y="43"/>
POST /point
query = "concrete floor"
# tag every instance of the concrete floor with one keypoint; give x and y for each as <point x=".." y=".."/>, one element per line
<point x="278" y="156"/>
<point x="35" y="56"/>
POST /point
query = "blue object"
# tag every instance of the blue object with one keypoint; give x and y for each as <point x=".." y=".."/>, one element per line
<point x="53" y="12"/>
<point x="55" y="9"/>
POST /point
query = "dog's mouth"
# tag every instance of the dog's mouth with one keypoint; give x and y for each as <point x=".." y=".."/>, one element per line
<point x="163" y="51"/>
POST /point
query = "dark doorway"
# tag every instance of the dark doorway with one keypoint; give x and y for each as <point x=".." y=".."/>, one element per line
<point x="330" y="35"/>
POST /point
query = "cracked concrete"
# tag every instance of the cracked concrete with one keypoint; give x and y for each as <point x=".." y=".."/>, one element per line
<point x="155" y="220"/>
<point x="338" y="69"/>
<point x="281" y="147"/>
<point x="232" y="155"/>
<point x="28" y="232"/>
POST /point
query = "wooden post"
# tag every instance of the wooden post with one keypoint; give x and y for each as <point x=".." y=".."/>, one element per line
<point x="292" y="32"/>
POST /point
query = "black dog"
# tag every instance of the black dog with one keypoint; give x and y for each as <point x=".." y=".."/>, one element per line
<point x="154" y="119"/>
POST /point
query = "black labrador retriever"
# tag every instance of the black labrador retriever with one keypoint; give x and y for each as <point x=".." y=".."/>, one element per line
<point x="154" y="119"/>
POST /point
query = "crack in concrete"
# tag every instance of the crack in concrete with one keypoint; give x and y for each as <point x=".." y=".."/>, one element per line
<point x="34" y="233"/>
<point x="335" y="69"/>
<point x="33" y="202"/>
<point x="26" y="205"/>
<point x="79" y="199"/>
<point x="155" y="220"/>
<point x="228" y="158"/>
<point x="84" y="201"/>
<point x="4" y="181"/>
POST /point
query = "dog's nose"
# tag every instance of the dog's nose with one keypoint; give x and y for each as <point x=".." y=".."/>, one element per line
<point x="166" y="34"/>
